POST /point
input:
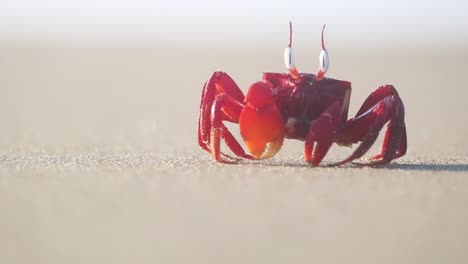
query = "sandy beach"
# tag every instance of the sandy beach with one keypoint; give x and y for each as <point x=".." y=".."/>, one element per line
<point x="99" y="162"/>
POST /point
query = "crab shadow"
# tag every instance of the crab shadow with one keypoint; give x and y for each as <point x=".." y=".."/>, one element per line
<point x="426" y="166"/>
<point x="403" y="165"/>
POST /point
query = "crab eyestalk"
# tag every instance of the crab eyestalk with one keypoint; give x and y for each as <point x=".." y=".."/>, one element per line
<point x="260" y="122"/>
<point x="289" y="60"/>
<point x="324" y="60"/>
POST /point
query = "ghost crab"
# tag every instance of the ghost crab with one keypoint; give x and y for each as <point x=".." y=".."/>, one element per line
<point x="301" y="106"/>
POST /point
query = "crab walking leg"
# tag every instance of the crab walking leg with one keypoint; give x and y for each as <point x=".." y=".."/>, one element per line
<point x="224" y="106"/>
<point x="395" y="141"/>
<point x="401" y="150"/>
<point x="377" y="95"/>
<point x="403" y="144"/>
<point x="390" y="147"/>
<point x="322" y="134"/>
<point x="218" y="83"/>
<point x="382" y="106"/>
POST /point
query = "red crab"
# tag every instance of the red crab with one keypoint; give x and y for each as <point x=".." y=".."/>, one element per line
<point x="302" y="106"/>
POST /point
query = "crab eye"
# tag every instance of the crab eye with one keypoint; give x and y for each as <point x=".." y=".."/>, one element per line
<point x="324" y="61"/>
<point x="289" y="58"/>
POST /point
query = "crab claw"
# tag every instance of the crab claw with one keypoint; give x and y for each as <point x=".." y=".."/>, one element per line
<point x="260" y="122"/>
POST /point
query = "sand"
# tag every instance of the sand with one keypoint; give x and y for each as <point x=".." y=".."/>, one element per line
<point x="99" y="163"/>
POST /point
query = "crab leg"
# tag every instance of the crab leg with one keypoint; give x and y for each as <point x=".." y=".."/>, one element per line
<point x="224" y="106"/>
<point x="382" y="106"/>
<point x="221" y="101"/>
<point x="322" y="134"/>
<point x="394" y="145"/>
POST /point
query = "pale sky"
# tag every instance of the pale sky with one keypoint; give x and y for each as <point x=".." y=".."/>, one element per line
<point x="206" y="21"/>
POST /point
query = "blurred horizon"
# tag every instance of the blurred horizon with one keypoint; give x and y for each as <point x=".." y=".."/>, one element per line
<point x="205" y="23"/>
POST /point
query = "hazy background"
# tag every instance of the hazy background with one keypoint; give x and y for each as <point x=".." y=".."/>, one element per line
<point x="99" y="159"/>
<point x="221" y="22"/>
<point x="134" y="69"/>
